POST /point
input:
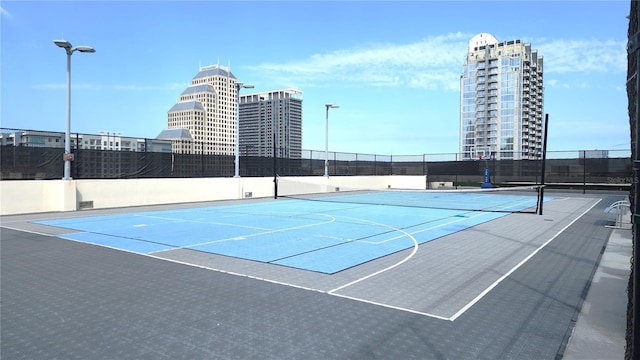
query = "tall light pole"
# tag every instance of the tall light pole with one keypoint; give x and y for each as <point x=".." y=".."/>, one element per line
<point x="67" y="138"/>
<point x="239" y="86"/>
<point x="326" y="139"/>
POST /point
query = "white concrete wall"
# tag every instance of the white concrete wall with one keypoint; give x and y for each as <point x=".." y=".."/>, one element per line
<point x="135" y="192"/>
<point x="33" y="196"/>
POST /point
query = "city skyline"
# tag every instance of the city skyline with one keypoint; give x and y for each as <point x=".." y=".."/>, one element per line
<point x="393" y="67"/>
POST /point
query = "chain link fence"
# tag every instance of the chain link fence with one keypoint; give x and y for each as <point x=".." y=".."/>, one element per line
<point x="44" y="159"/>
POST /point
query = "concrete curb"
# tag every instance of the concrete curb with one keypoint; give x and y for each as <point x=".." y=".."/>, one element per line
<point x="600" y="330"/>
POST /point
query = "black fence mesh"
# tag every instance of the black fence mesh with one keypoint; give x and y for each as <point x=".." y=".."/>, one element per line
<point x="28" y="162"/>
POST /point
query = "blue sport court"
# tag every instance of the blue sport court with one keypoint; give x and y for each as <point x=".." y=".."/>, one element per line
<point x="326" y="236"/>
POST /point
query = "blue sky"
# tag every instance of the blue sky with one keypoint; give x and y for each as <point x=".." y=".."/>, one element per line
<point x="393" y="67"/>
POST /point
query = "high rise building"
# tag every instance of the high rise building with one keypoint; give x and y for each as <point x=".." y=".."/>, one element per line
<point x="501" y="100"/>
<point x="207" y="110"/>
<point x="106" y="140"/>
<point x="271" y="116"/>
<point x="33" y="154"/>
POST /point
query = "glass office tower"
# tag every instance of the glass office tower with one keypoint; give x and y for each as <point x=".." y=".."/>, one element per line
<point x="501" y="100"/>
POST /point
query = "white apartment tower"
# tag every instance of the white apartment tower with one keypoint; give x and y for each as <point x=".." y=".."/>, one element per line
<point x="207" y="110"/>
<point x="501" y="100"/>
<point x="271" y="119"/>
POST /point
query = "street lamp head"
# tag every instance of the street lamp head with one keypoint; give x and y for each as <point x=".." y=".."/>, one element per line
<point x="331" y="106"/>
<point x="87" y="49"/>
<point x="240" y="85"/>
<point x="70" y="49"/>
<point x="63" y="44"/>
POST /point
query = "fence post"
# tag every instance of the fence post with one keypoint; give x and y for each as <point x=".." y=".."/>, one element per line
<point x="335" y="164"/>
<point x="75" y="158"/>
<point x="584" y="172"/>
<point x="544" y="160"/>
<point x="375" y="164"/>
<point x="424" y="165"/>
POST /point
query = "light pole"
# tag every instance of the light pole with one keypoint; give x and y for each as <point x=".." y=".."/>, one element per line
<point x="67" y="138"/>
<point x="326" y="139"/>
<point x="239" y="86"/>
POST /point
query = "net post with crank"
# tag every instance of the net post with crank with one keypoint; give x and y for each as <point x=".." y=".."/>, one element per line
<point x="275" y="171"/>
<point x="544" y="160"/>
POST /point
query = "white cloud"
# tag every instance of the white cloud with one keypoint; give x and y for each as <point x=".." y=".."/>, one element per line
<point x="574" y="56"/>
<point x="435" y="63"/>
<point x="5" y="14"/>
<point x="583" y="85"/>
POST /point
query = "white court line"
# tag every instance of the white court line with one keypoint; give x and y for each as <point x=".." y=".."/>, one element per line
<point x="236" y="238"/>
<point x="239" y="274"/>
<point x="62" y="236"/>
<point x="176" y="220"/>
<point x="27" y="231"/>
<point x="332" y="292"/>
<point x="415" y="250"/>
<point x="492" y="286"/>
<point x="478" y="214"/>
<point x="426" y="229"/>
<point x="231" y="215"/>
<point x="390" y="306"/>
<point x="169" y="260"/>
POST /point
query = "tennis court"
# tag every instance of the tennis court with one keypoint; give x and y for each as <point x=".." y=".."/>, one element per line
<point x="289" y="278"/>
<point x="326" y="235"/>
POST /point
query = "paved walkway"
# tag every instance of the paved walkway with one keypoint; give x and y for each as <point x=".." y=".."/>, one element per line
<point x="599" y="333"/>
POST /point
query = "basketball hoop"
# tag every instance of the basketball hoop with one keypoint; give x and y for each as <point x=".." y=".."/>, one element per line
<point x="478" y="157"/>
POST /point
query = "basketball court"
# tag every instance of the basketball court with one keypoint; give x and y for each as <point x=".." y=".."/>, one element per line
<point x="439" y="265"/>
